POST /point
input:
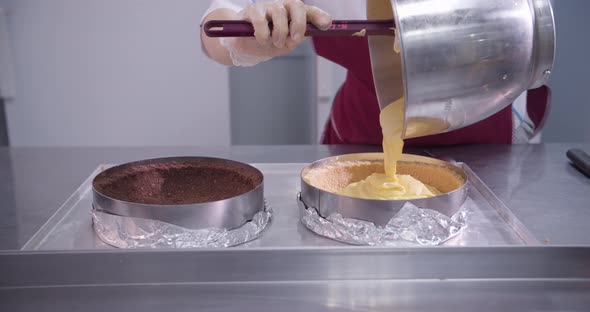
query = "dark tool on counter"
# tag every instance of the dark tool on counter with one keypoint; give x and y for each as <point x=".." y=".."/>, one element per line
<point x="235" y="28"/>
<point x="580" y="159"/>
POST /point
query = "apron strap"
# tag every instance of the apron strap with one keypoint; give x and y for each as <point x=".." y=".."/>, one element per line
<point x="538" y="107"/>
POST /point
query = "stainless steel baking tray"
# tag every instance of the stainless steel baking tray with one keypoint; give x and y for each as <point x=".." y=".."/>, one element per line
<point x="491" y="223"/>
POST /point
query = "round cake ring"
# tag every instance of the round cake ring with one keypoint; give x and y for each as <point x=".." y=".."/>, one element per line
<point x="321" y="181"/>
<point x="191" y="192"/>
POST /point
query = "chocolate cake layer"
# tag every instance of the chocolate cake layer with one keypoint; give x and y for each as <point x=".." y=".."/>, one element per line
<point x="178" y="183"/>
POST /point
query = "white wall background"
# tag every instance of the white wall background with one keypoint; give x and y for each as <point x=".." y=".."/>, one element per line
<point x="330" y="77"/>
<point x="113" y="72"/>
<point x="570" y="109"/>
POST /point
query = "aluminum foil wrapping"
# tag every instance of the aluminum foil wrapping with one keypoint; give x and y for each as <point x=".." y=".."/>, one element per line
<point x="411" y="226"/>
<point x="126" y="232"/>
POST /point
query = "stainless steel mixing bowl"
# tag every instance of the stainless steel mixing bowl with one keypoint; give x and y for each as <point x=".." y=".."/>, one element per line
<point x="379" y="211"/>
<point x="463" y="60"/>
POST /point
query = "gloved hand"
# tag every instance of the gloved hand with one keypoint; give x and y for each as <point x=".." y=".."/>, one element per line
<point x="289" y="19"/>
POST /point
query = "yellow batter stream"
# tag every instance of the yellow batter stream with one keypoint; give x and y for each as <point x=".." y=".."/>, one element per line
<point x="390" y="185"/>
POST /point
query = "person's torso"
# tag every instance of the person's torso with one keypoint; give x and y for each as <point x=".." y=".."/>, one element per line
<point x="355" y="112"/>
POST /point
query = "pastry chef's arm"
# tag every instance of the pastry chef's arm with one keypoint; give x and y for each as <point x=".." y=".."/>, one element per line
<point x="289" y="19"/>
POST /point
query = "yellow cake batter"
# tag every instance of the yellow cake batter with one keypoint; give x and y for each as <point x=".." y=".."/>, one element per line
<point x="390" y="185"/>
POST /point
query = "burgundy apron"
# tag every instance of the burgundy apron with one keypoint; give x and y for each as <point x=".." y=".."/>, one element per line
<point x="354" y="118"/>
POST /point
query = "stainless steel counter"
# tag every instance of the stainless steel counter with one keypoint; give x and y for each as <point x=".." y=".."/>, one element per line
<point x="377" y="279"/>
<point x="536" y="181"/>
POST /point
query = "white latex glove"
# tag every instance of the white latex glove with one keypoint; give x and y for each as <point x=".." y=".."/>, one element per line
<point x="289" y="19"/>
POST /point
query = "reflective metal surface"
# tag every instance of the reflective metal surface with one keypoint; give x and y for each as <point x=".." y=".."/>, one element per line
<point x="491" y="223"/>
<point x="419" y="279"/>
<point x="230" y="213"/>
<point x="26" y="269"/>
<point x="375" y="295"/>
<point x="545" y="43"/>
<point x="536" y="181"/>
<point x="378" y="211"/>
<point x="463" y="61"/>
<point x="386" y="63"/>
